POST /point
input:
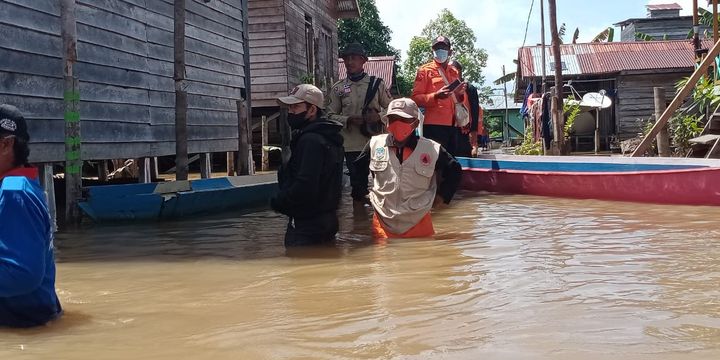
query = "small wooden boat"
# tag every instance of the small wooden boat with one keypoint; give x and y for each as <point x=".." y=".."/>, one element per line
<point x="650" y="180"/>
<point x="177" y="199"/>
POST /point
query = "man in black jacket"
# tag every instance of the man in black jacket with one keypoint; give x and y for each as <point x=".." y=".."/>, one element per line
<point x="311" y="181"/>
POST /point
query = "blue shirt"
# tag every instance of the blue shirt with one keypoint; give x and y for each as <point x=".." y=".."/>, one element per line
<point x="27" y="263"/>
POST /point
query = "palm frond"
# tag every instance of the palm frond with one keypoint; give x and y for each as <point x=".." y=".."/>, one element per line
<point x="576" y="35"/>
<point x="507" y="78"/>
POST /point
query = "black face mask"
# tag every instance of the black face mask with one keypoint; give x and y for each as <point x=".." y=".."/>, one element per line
<point x="297" y="121"/>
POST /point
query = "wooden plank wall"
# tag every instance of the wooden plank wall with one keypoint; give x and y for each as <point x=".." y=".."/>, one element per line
<point x="321" y="13"/>
<point x="125" y="67"/>
<point x="635" y="99"/>
<point x="268" y="54"/>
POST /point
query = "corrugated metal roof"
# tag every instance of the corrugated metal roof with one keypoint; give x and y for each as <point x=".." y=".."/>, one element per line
<point x="608" y="58"/>
<point x="379" y="66"/>
<point x="673" y="6"/>
<point x="347" y="9"/>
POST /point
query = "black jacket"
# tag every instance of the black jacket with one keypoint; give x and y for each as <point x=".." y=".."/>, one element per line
<point x="447" y="167"/>
<point x="311" y="182"/>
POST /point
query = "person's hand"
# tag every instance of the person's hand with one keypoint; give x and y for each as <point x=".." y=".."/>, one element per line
<point x="372" y="117"/>
<point x="443" y="93"/>
<point x="355" y="120"/>
<point x="473" y="138"/>
<point x="439" y="203"/>
<point x="460" y="90"/>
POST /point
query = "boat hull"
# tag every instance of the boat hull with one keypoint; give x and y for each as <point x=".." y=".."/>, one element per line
<point x="177" y="199"/>
<point x="683" y="183"/>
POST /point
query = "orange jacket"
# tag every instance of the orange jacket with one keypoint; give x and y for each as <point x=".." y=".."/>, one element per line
<point x="427" y="82"/>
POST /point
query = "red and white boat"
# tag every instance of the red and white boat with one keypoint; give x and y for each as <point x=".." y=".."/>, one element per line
<point x="683" y="181"/>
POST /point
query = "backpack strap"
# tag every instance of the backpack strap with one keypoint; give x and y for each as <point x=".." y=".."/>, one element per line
<point x="371" y="91"/>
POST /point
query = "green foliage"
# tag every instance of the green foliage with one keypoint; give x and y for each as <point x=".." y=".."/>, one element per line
<point x="307" y="78"/>
<point x="493" y="124"/>
<point x="368" y="30"/>
<point x="463" y="44"/>
<point x="646" y="126"/>
<point x="705" y="95"/>
<point x="683" y="128"/>
<point x="529" y="146"/>
<point x="606" y="35"/>
<point x="571" y="111"/>
<point x="643" y="37"/>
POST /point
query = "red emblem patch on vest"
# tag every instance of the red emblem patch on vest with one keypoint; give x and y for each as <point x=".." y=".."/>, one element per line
<point x="425" y="159"/>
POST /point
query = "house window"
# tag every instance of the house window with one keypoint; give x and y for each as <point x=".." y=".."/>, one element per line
<point x="328" y="56"/>
<point x="309" y="45"/>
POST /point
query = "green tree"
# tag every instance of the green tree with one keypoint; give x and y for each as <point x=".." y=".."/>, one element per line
<point x="368" y="30"/>
<point x="463" y="40"/>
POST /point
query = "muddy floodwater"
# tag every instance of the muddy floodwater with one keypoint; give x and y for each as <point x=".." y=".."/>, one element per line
<point x="507" y="277"/>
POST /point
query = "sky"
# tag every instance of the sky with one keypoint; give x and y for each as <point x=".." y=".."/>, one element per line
<point x="499" y="25"/>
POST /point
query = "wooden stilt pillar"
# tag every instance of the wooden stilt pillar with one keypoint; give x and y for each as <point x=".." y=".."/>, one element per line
<point x="48" y="184"/>
<point x="206" y="166"/>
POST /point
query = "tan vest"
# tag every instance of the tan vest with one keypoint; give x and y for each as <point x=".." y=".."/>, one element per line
<point x="402" y="193"/>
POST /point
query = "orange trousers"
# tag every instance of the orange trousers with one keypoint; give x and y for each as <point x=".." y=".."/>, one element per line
<point x="424" y="228"/>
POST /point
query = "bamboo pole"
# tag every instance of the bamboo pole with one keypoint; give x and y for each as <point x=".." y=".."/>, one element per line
<point x="181" y="101"/>
<point x="678" y="100"/>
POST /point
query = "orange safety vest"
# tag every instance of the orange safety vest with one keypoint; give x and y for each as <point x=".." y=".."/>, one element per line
<point x="427" y="82"/>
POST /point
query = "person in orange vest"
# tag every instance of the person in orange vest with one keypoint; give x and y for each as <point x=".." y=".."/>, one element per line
<point x="411" y="175"/>
<point x="432" y="91"/>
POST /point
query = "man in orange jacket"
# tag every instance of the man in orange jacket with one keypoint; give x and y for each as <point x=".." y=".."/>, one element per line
<point x="431" y="92"/>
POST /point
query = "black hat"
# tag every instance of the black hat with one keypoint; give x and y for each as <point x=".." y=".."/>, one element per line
<point x="353" y="49"/>
<point x="12" y="122"/>
<point x="441" y="40"/>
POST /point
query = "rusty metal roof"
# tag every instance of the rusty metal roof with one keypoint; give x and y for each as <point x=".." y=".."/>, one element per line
<point x="347" y="9"/>
<point x="609" y="58"/>
<point x="379" y="66"/>
<point x="673" y="6"/>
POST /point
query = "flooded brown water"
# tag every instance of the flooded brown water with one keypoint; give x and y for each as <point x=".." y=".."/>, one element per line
<point x="507" y="277"/>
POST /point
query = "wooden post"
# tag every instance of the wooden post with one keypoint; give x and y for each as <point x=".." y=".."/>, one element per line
<point x="71" y="97"/>
<point x="48" y="184"/>
<point x="244" y="140"/>
<point x="181" y="101"/>
<point x="103" y="171"/>
<point x="506" y="121"/>
<point x="206" y="166"/>
<point x="663" y="137"/>
<point x="264" y="144"/>
<point x="154" y="172"/>
<point x="230" y="163"/>
<point x="597" y="131"/>
<point x="144" y="172"/>
<point x="678" y="100"/>
<point x="715" y="21"/>
<point x="542" y="42"/>
<point x="557" y="102"/>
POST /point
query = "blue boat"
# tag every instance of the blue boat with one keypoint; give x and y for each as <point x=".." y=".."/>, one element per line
<point x="177" y="199"/>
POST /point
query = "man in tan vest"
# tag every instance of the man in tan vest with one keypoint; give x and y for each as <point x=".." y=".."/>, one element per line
<point x="357" y="102"/>
<point x="411" y="175"/>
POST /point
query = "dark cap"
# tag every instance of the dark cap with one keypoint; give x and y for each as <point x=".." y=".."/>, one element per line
<point x="441" y="40"/>
<point x="12" y="122"/>
<point x="353" y="49"/>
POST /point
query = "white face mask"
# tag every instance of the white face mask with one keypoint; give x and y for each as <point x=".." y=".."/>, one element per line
<point x="441" y="55"/>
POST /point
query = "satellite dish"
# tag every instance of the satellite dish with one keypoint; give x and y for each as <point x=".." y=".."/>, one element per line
<point x="596" y="100"/>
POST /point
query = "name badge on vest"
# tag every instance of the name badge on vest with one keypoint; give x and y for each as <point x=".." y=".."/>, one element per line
<point x="380" y="154"/>
<point x="347" y="89"/>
